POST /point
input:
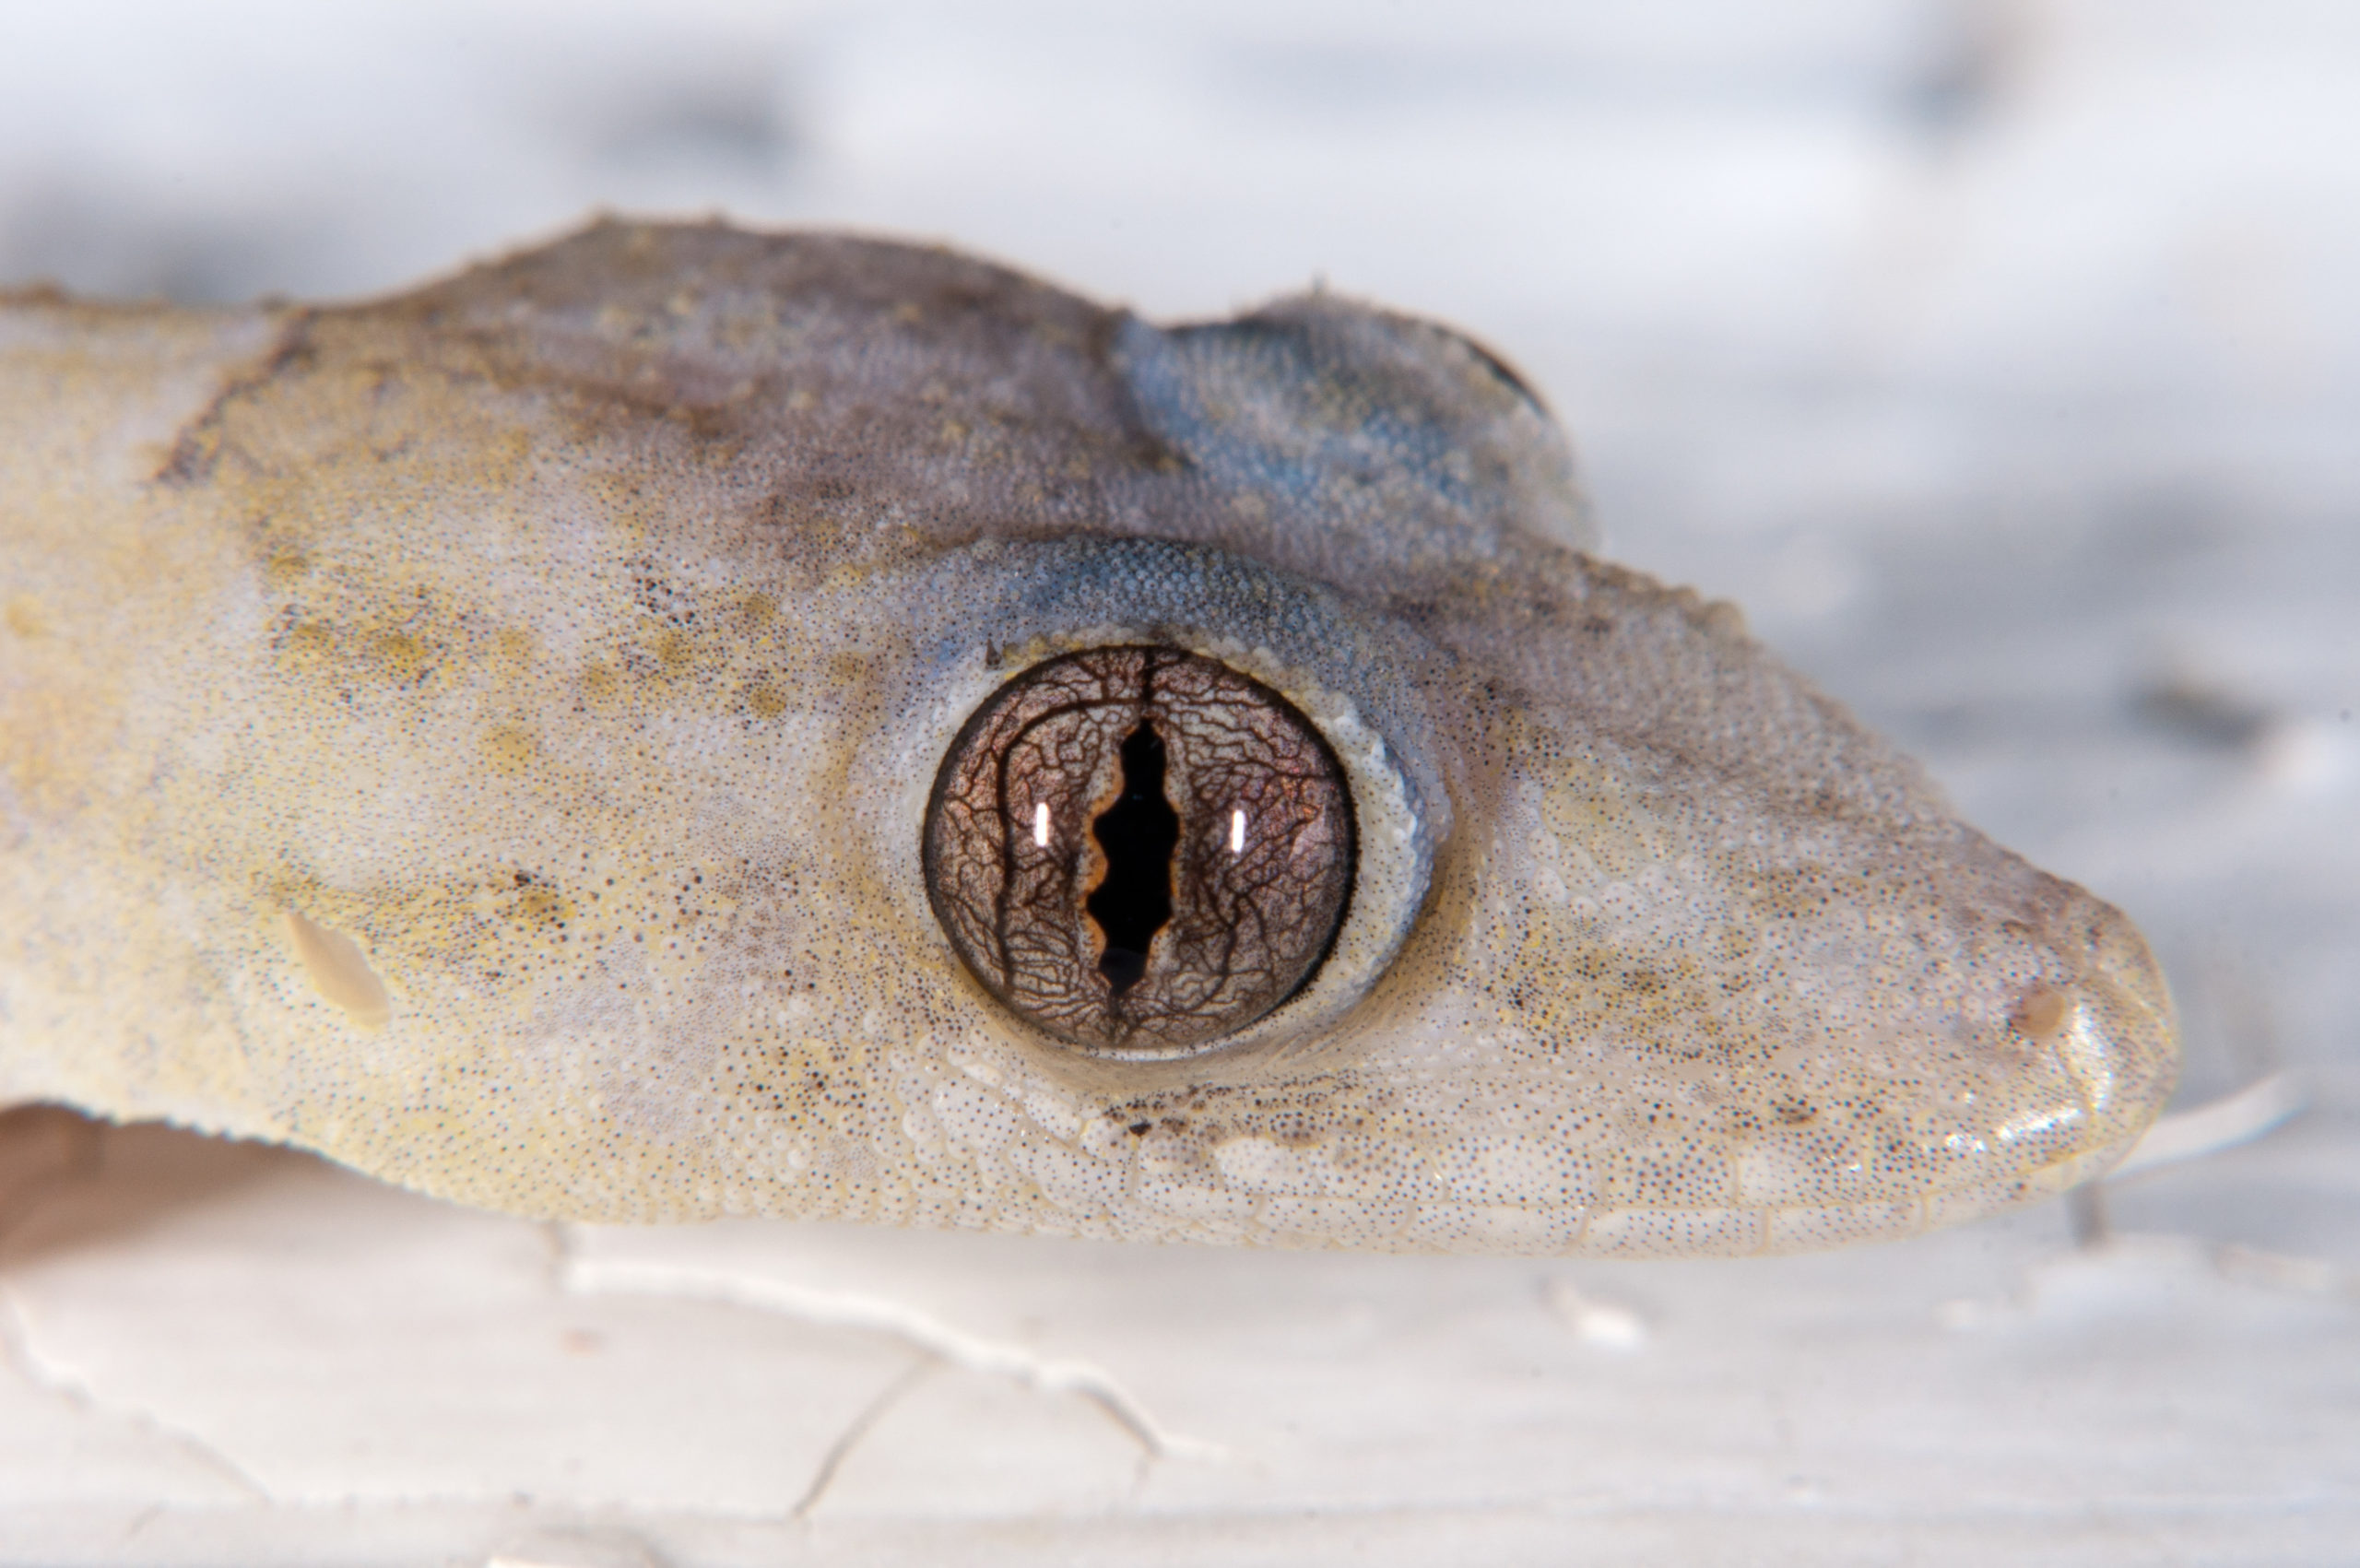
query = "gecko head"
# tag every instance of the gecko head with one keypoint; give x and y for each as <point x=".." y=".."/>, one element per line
<point x="797" y="725"/>
<point x="1691" y="964"/>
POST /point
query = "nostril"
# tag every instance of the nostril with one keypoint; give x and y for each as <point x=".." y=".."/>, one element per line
<point x="2042" y="1011"/>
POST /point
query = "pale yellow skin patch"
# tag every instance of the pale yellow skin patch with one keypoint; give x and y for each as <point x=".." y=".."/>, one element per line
<point x="483" y="737"/>
<point x="339" y="971"/>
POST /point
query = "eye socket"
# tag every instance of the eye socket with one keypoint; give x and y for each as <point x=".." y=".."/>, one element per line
<point x="1140" y="850"/>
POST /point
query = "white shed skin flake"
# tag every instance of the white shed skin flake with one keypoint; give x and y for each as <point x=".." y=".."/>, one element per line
<point x="482" y="735"/>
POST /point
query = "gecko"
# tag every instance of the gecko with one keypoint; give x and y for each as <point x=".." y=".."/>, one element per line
<point x="684" y="722"/>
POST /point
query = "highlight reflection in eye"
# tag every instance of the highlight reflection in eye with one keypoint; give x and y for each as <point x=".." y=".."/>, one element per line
<point x="1137" y="914"/>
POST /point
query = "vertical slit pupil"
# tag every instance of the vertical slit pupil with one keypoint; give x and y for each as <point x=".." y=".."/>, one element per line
<point x="1133" y="900"/>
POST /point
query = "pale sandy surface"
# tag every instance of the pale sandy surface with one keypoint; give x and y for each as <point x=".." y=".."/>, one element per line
<point x="2004" y="361"/>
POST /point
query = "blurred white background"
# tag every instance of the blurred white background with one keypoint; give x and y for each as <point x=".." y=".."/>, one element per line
<point x="2001" y="356"/>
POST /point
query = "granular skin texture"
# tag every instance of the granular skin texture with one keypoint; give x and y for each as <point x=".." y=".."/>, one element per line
<point x="487" y="735"/>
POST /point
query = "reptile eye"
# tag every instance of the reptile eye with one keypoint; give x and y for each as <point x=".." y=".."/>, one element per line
<point x="1138" y="849"/>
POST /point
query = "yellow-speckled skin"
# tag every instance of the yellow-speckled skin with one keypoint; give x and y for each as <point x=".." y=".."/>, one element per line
<point x="483" y="737"/>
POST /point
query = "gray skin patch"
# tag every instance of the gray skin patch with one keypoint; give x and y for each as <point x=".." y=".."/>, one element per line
<point x="578" y="640"/>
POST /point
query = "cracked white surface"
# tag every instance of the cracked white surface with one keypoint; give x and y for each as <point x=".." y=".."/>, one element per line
<point x="245" y="1335"/>
<point x="646" y="1262"/>
<point x="2008" y="384"/>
